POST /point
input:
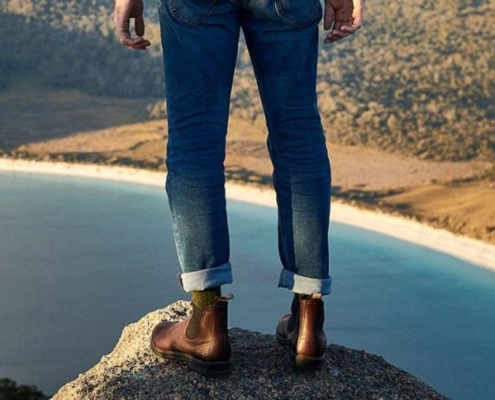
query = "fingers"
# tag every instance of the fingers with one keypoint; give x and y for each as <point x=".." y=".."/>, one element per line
<point x="121" y="19"/>
<point x="138" y="43"/>
<point x="338" y="32"/>
<point x="329" y="16"/>
<point x="123" y="12"/>
<point x="350" y="29"/>
<point x="121" y="28"/>
<point x="336" y="35"/>
<point x="139" y="25"/>
<point x="347" y="20"/>
<point x="357" y="14"/>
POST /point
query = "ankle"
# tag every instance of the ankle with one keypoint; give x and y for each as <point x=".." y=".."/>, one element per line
<point x="201" y="299"/>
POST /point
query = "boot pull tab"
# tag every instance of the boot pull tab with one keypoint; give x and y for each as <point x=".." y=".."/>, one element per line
<point x="226" y="297"/>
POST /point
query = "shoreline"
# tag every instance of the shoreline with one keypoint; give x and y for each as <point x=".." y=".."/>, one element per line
<point x="474" y="251"/>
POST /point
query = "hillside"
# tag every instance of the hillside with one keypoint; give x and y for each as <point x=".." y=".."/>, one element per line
<point x="418" y="79"/>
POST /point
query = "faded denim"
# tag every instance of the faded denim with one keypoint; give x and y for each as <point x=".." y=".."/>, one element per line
<point x="200" y="41"/>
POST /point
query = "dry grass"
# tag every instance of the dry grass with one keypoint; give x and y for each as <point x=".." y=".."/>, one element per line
<point x="465" y="208"/>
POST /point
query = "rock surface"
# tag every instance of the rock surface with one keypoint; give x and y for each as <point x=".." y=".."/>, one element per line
<point x="259" y="371"/>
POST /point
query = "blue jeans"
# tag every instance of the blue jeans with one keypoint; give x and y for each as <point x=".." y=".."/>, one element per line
<point x="200" y="41"/>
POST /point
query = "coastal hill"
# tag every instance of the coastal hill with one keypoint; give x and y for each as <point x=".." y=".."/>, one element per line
<point x="418" y="79"/>
<point x="259" y="371"/>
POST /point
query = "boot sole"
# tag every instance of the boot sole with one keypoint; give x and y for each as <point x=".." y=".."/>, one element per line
<point x="298" y="361"/>
<point x="281" y="340"/>
<point x="207" y="368"/>
<point x="306" y="363"/>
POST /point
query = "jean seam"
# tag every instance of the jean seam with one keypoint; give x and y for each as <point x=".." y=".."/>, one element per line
<point x="208" y="12"/>
<point x="291" y="20"/>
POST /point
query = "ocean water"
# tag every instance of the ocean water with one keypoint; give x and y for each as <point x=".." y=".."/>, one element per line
<point x="80" y="259"/>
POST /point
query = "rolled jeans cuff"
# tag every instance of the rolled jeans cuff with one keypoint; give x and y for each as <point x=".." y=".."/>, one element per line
<point x="304" y="285"/>
<point x="206" y="278"/>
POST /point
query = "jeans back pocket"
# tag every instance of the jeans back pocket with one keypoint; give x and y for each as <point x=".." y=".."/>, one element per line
<point x="299" y="12"/>
<point x="191" y="11"/>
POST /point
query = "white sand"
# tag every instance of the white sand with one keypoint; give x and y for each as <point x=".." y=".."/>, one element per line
<point x="471" y="250"/>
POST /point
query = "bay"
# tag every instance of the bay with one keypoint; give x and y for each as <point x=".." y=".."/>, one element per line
<point x="80" y="259"/>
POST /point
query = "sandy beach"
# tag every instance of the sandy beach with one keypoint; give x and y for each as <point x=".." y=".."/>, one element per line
<point x="471" y="250"/>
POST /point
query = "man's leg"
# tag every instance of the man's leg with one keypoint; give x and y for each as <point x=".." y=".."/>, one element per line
<point x="283" y="45"/>
<point x="199" y="48"/>
<point x="284" y="58"/>
<point x="199" y="40"/>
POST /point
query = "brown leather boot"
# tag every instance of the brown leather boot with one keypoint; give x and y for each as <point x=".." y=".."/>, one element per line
<point x="209" y="352"/>
<point x="304" y="334"/>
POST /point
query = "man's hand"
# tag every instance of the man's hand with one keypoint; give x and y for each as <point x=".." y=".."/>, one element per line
<point x="343" y="17"/>
<point x="124" y="10"/>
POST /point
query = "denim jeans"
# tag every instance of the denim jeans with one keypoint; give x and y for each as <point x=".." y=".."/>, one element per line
<point x="200" y="43"/>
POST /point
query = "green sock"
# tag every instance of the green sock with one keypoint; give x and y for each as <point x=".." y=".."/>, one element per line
<point x="200" y="300"/>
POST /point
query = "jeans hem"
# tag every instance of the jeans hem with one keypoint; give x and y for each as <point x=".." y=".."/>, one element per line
<point x="206" y="278"/>
<point x="304" y="285"/>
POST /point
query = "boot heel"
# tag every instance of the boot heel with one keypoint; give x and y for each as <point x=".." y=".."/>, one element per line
<point x="306" y="340"/>
<point x="306" y="363"/>
<point x="209" y="368"/>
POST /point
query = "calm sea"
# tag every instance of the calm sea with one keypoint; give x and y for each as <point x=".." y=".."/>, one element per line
<point x="80" y="259"/>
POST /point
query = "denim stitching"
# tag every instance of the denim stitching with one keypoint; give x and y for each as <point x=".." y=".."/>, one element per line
<point x="187" y="20"/>
<point x="291" y="20"/>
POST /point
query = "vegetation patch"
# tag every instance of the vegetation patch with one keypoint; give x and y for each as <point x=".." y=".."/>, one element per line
<point x="10" y="390"/>
<point x="418" y="79"/>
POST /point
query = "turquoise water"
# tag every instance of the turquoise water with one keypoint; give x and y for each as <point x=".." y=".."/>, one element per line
<point x="80" y="259"/>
